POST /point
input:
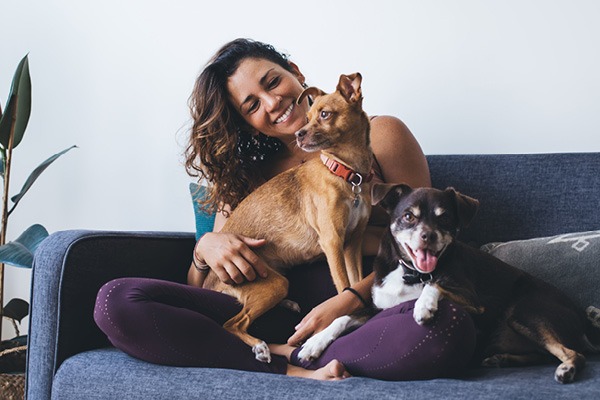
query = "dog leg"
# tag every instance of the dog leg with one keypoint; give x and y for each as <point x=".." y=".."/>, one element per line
<point x="510" y="360"/>
<point x="315" y="346"/>
<point x="334" y="252"/>
<point x="263" y="295"/>
<point x="545" y="335"/>
<point x="427" y="304"/>
<point x="353" y="252"/>
<point x="353" y="260"/>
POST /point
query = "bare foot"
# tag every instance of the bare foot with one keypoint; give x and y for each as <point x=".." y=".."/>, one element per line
<point x="333" y="371"/>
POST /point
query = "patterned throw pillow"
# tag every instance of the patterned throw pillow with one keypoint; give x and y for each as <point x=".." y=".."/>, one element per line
<point x="570" y="262"/>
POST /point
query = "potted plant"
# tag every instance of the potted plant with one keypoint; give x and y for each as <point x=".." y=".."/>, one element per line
<point x="18" y="253"/>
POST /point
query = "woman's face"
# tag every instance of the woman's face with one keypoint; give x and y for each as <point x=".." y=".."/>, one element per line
<point x="265" y="95"/>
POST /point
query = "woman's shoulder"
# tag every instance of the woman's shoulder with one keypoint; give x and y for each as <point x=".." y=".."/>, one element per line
<point x="389" y="132"/>
<point x="398" y="152"/>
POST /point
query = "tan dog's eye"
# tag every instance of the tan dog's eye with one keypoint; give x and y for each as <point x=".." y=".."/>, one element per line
<point x="325" y="114"/>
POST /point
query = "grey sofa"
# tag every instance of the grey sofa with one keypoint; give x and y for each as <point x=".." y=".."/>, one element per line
<point x="522" y="197"/>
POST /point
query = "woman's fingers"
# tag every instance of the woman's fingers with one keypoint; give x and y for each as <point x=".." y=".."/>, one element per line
<point x="257" y="263"/>
<point x="232" y="257"/>
<point x="304" y="330"/>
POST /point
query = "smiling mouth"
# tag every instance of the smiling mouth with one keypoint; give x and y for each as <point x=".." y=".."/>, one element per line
<point x="423" y="260"/>
<point x="285" y="115"/>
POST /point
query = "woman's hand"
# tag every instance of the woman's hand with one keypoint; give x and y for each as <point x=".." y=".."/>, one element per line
<point x="231" y="257"/>
<point x="323" y="315"/>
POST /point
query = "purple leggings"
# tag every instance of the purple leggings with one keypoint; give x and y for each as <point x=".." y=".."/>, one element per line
<point x="175" y="324"/>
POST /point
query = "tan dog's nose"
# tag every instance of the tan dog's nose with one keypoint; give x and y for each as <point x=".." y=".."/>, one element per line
<point x="301" y="133"/>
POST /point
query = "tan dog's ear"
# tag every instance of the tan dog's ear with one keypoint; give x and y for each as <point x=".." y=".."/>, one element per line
<point x="387" y="195"/>
<point x="349" y="87"/>
<point x="311" y="91"/>
<point x="467" y="206"/>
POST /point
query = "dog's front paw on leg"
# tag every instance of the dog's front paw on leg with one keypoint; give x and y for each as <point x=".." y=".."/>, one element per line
<point x="422" y="314"/>
<point x="426" y="305"/>
<point x="313" y="348"/>
<point x="424" y="310"/>
<point x="261" y="352"/>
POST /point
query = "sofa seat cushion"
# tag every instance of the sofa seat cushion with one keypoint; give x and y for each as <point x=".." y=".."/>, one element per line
<point x="110" y="374"/>
<point x="571" y="262"/>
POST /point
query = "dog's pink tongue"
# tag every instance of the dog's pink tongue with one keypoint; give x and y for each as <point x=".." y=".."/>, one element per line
<point x="426" y="262"/>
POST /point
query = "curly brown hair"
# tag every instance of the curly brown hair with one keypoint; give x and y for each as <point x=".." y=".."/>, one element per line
<point x="220" y="149"/>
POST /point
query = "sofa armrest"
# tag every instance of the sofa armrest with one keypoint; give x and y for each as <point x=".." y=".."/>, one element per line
<point x="69" y="269"/>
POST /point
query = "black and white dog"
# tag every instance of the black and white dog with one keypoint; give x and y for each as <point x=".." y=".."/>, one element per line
<point x="521" y="319"/>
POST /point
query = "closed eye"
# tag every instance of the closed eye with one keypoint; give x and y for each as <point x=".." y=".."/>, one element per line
<point x="253" y="107"/>
<point x="273" y="83"/>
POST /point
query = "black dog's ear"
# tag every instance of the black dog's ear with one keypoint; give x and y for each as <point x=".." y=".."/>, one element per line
<point x="349" y="87"/>
<point x="466" y="206"/>
<point x="311" y="91"/>
<point x="388" y="195"/>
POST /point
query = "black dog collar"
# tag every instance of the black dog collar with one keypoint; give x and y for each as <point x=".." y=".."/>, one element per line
<point x="413" y="277"/>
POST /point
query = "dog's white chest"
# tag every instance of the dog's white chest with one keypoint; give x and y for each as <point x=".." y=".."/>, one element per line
<point x="394" y="291"/>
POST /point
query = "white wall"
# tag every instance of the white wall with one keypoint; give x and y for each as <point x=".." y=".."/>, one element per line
<point x="114" y="76"/>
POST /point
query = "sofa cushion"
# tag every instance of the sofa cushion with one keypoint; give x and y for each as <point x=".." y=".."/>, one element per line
<point x="570" y="262"/>
<point x="111" y="374"/>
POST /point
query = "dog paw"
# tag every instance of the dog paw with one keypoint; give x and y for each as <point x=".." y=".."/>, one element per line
<point x="424" y="311"/>
<point x="494" y="361"/>
<point x="290" y="305"/>
<point x="593" y="315"/>
<point x="313" y="347"/>
<point x="565" y="373"/>
<point x="262" y="353"/>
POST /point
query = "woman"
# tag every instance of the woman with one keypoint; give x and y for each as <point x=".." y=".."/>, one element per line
<point x="245" y="117"/>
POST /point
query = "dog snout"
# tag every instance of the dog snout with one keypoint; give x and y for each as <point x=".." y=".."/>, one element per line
<point x="429" y="236"/>
<point x="301" y="133"/>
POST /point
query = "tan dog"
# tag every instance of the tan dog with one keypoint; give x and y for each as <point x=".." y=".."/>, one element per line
<point x="319" y="207"/>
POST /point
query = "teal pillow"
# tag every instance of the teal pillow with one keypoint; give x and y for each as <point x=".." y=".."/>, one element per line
<point x="571" y="262"/>
<point x="204" y="220"/>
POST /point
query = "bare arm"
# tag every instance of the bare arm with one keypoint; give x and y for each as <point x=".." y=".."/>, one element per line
<point x="398" y="153"/>
<point x="401" y="160"/>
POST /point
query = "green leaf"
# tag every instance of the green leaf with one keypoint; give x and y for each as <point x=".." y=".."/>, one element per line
<point x="6" y="120"/>
<point x="33" y="177"/>
<point x="18" y="105"/>
<point x="20" y="252"/>
<point x="16" y="309"/>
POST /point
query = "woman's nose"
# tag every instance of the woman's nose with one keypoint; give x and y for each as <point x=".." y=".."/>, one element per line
<point x="272" y="102"/>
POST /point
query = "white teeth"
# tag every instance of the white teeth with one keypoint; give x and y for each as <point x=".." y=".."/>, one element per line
<point x="285" y="115"/>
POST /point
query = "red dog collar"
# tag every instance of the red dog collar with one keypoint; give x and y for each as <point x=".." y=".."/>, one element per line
<point x="344" y="172"/>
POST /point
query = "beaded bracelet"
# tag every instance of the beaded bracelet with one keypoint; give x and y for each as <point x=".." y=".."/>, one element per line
<point x="355" y="292"/>
<point x="203" y="266"/>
